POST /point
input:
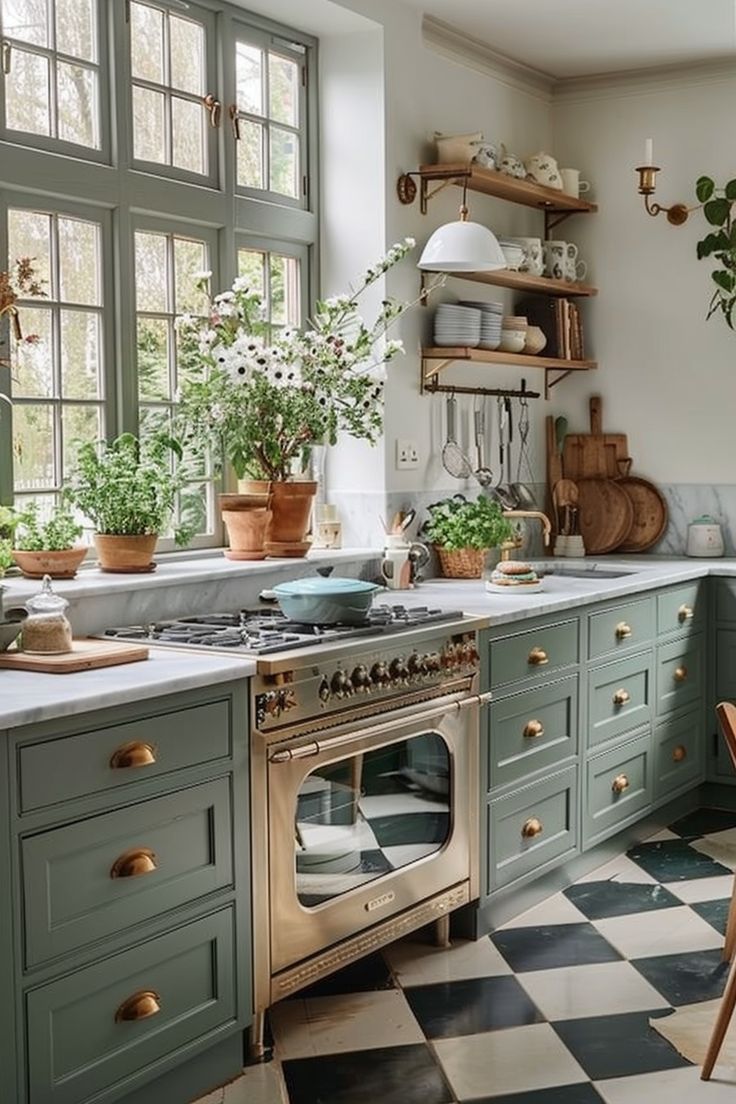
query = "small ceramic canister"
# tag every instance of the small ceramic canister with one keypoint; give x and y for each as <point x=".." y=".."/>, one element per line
<point x="542" y="168"/>
<point x="574" y="269"/>
<point x="555" y="259"/>
<point x="513" y="166"/>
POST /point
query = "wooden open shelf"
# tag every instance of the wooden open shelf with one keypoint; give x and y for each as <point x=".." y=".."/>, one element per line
<point x="522" y="281"/>
<point x="435" y="358"/>
<point x="493" y="183"/>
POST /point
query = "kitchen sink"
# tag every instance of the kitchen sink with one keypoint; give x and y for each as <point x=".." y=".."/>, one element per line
<point x="593" y="572"/>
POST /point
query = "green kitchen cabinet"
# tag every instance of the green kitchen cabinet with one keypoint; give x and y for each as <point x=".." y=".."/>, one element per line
<point x="625" y="627"/>
<point x="619" y="698"/>
<point x="619" y="788"/>
<point x="531" y="731"/>
<point x="679" y="754"/>
<point x="535" y="653"/>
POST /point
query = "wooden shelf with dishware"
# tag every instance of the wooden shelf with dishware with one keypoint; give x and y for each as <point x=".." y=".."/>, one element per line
<point x="522" y="281"/>
<point x="435" y="358"/>
<point x="493" y="183"/>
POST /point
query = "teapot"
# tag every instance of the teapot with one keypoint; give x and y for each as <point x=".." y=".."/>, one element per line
<point x="542" y="168"/>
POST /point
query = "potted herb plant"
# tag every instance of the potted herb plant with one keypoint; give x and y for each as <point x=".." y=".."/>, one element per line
<point x="262" y="401"/>
<point x="8" y="522"/>
<point x="462" y="532"/>
<point x="48" y="547"/>
<point x="127" y="489"/>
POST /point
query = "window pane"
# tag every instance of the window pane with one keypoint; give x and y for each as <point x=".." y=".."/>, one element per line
<point x="193" y="507"/>
<point x="153" y="360"/>
<point x="33" y="364"/>
<point x="190" y="258"/>
<point x="155" y="419"/>
<point x="284" y="162"/>
<point x="150" y="272"/>
<point x="249" y="78"/>
<point x="149" y="141"/>
<point x="27" y="93"/>
<point x="80" y="355"/>
<point x="285" y="301"/>
<point x="29" y="234"/>
<point x="26" y="20"/>
<point x="77" y="105"/>
<point x="250" y="154"/>
<point x="76" y="32"/>
<point x="188" y="141"/>
<point x="187" y="55"/>
<point x="251" y="264"/>
<point x="147" y="42"/>
<point x="79" y="256"/>
<point x="33" y="447"/>
<point x="283" y="90"/>
<point x="80" y="423"/>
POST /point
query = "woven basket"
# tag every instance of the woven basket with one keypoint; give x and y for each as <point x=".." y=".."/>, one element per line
<point x="461" y="563"/>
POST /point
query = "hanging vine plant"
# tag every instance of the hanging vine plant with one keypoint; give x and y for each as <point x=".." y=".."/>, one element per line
<point x="719" y="208"/>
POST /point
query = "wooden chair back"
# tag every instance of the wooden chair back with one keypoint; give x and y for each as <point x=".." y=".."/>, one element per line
<point x="727" y="719"/>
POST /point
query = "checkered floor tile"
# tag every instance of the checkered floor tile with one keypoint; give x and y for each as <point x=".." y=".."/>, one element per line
<point x="552" y="1008"/>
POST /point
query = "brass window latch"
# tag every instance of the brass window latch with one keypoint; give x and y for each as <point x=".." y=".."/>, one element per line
<point x="214" y="107"/>
<point x="7" y="52"/>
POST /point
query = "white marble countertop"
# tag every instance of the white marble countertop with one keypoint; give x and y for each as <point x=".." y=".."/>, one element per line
<point x="27" y="697"/>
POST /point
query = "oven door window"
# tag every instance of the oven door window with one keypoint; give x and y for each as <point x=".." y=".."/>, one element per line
<point x="362" y="817"/>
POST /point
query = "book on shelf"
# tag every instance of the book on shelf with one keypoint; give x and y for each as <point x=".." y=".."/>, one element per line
<point x="560" y="320"/>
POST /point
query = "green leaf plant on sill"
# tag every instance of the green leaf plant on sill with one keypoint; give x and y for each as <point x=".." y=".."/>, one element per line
<point x="719" y="207"/>
<point x="18" y="282"/>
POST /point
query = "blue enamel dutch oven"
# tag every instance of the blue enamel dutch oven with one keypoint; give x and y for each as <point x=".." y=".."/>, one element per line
<point x="318" y="601"/>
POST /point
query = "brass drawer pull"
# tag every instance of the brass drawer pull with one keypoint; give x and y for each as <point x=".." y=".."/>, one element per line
<point x="620" y="783"/>
<point x="621" y="697"/>
<point x="141" y="1006"/>
<point x="135" y="754"/>
<point x="679" y="753"/>
<point x="134" y="863"/>
<point x="533" y="729"/>
<point x="623" y="630"/>
<point x="685" y="613"/>
<point x="532" y="827"/>
<point x="537" y="657"/>
<point x="681" y="673"/>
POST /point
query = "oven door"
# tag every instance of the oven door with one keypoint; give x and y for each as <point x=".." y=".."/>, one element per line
<point x="368" y="821"/>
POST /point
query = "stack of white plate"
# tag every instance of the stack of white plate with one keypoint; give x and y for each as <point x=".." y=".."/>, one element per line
<point x="490" y="323"/>
<point x="456" y="325"/>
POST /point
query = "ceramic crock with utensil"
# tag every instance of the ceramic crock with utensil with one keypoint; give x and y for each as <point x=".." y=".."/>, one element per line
<point x="396" y="564"/>
<point x="704" y="537"/>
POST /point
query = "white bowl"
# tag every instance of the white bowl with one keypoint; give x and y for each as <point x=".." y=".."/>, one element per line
<point x="512" y="341"/>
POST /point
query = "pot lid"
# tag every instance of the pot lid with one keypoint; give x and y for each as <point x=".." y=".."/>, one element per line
<point x="317" y="585"/>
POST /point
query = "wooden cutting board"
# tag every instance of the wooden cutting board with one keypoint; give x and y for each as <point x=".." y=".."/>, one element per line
<point x="650" y="514"/>
<point x="605" y="514"/>
<point x="594" y="455"/>
<point x="86" y="655"/>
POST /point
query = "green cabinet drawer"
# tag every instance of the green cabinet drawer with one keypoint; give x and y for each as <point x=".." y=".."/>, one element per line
<point x="682" y="609"/>
<point x="531" y="731"/>
<point x="679" y="753"/>
<point x="101" y="875"/>
<point x="80" y="1039"/>
<point x="619" y="788"/>
<point x="532" y="828"/>
<point x="619" y="698"/>
<point x="117" y="756"/>
<point x="621" y="629"/>
<point x="725" y="602"/>
<point x="680" y="673"/>
<point x="536" y="653"/>
<point x="726" y="664"/>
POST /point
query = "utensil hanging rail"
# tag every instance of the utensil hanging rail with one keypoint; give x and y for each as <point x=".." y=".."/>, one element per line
<point x="432" y="387"/>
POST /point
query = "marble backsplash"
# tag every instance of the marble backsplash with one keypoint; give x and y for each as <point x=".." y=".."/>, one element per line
<point x="687" y="501"/>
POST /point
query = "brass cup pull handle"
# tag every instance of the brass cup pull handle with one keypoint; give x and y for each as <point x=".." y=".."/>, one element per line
<point x="681" y="673"/>
<point x="537" y="657"/>
<point x="621" y="697"/>
<point x="134" y="863"/>
<point x="135" y="754"/>
<point x="620" y="783"/>
<point x="533" y="729"/>
<point x="685" y="613"/>
<point x="532" y="827"/>
<point x="679" y="753"/>
<point x="623" y="630"/>
<point x="140" y="1006"/>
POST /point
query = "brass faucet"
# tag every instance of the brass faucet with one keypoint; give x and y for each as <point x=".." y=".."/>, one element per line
<point x="510" y="546"/>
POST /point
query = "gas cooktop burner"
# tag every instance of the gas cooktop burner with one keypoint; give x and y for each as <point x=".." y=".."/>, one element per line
<point x="265" y="631"/>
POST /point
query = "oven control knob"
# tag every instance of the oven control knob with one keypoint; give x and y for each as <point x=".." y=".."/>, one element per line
<point x="473" y="656"/>
<point x="360" y="678"/>
<point x="341" y="685"/>
<point x="434" y="663"/>
<point x="417" y="665"/>
<point x="324" y="691"/>
<point x="379" y="674"/>
<point x="398" y="670"/>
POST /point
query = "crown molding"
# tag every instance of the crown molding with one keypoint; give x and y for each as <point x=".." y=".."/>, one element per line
<point x="459" y="46"/>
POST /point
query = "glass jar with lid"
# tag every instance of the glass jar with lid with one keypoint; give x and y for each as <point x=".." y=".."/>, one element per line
<point x="47" y="631"/>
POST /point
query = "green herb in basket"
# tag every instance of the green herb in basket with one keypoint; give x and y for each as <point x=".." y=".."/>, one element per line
<point x="456" y="523"/>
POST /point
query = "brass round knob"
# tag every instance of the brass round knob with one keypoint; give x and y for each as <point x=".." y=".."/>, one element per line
<point x="135" y="754"/>
<point x="140" y="1006"/>
<point x="531" y="828"/>
<point x="620" y="783"/>
<point x="685" y="613"/>
<point x="537" y="657"/>
<point x="621" y="697"/>
<point x="134" y="863"/>
<point x="681" y="673"/>
<point x="623" y="630"/>
<point x="679" y="753"/>
<point x="533" y="729"/>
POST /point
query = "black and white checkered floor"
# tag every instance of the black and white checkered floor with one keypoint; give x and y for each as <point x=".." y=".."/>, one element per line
<point x="553" y="1008"/>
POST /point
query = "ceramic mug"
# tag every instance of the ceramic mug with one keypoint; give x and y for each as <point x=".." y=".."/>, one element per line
<point x="396" y="567"/>
<point x="574" y="269"/>
<point x="533" y="262"/>
<point x="555" y="259"/>
<point x="542" y="168"/>
<point x="572" y="184"/>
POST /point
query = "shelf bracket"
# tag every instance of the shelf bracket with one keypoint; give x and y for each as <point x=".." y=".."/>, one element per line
<point x="552" y="219"/>
<point x="550" y="382"/>
<point x="429" y="374"/>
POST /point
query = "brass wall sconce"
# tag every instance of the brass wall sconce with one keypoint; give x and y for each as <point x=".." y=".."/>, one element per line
<point x="677" y="213"/>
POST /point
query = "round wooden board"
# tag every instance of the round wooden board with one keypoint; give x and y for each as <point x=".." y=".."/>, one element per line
<point x="650" y="514"/>
<point x="606" y="514"/>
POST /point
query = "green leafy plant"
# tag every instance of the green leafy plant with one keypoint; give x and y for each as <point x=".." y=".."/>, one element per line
<point x="60" y="532"/>
<point x="129" y="487"/>
<point x="456" y="523"/>
<point x="720" y="243"/>
<point x="9" y="520"/>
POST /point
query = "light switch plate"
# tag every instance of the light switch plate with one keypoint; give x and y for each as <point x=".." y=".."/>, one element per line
<point x="407" y="454"/>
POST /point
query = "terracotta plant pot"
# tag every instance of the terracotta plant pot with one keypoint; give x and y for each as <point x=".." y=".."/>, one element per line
<point x="126" y="555"/>
<point x="59" y="565"/>
<point x="291" y="510"/>
<point x="246" y="518"/>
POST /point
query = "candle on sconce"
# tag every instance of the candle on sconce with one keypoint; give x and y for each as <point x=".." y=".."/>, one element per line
<point x="648" y="152"/>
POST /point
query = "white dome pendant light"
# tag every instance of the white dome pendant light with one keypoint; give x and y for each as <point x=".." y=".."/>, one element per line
<point x="462" y="246"/>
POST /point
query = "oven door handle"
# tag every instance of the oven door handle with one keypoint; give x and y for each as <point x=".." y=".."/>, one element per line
<point x="315" y="747"/>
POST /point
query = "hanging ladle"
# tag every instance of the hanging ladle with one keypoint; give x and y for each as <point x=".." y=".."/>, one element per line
<point x="482" y="473"/>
